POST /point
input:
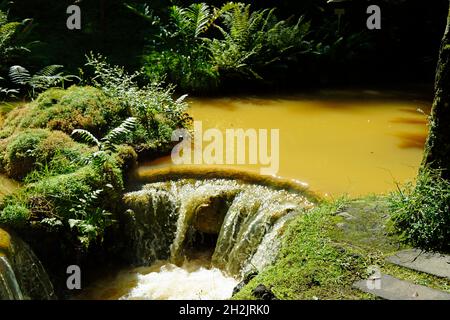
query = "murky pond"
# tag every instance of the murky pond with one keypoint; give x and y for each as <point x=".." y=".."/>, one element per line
<point x="337" y="144"/>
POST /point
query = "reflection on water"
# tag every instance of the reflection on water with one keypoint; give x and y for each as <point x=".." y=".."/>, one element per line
<point x="422" y="121"/>
<point x="336" y="145"/>
<point x="194" y="280"/>
<point x="411" y="140"/>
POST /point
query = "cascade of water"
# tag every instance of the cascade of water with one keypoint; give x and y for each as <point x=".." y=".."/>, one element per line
<point x="31" y="275"/>
<point x="22" y="275"/>
<point x="244" y="217"/>
<point x="9" y="287"/>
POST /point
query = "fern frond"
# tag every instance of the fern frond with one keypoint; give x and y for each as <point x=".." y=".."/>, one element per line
<point x="49" y="71"/>
<point x="199" y="16"/>
<point x="86" y="136"/>
<point x="116" y="135"/>
<point x="19" y="75"/>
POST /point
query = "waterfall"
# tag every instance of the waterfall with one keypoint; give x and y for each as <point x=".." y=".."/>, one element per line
<point x="9" y="287"/>
<point x="166" y="219"/>
<point x="22" y="275"/>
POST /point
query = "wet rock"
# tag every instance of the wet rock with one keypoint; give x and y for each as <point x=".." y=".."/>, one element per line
<point x="209" y="216"/>
<point x="263" y="293"/>
<point x="238" y="287"/>
<point x="5" y="242"/>
<point x="249" y="276"/>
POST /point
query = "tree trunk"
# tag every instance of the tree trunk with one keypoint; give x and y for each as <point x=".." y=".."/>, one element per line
<point x="437" y="149"/>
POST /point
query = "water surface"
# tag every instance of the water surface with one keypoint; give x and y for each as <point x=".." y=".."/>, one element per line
<point x="338" y="144"/>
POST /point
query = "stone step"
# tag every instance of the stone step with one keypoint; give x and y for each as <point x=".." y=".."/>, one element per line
<point x="433" y="263"/>
<point x="390" y="288"/>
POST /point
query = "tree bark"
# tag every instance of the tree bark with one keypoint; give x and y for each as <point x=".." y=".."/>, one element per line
<point x="437" y="148"/>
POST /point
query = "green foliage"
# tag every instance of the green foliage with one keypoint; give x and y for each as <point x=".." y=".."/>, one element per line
<point x="15" y="215"/>
<point x="197" y="58"/>
<point x="12" y="35"/>
<point x="421" y="212"/>
<point x="72" y="201"/>
<point x="5" y="92"/>
<point x="153" y="105"/>
<point x="89" y="220"/>
<point x="180" y="50"/>
<point x="65" y="110"/>
<point x="33" y="148"/>
<point x="42" y="80"/>
<point x="254" y="40"/>
<point x="108" y="144"/>
<point x="310" y="265"/>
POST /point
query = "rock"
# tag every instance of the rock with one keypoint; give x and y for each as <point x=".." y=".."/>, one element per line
<point x="238" y="287"/>
<point x="437" y="264"/>
<point x="346" y="215"/>
<point x="209" y="216"/>
<point x="340" y="225"/>
<point x="5" y="241"/>
<point x="248" y="276"/>
<point x="263" y="293"/>
<point x="390" y="288"/>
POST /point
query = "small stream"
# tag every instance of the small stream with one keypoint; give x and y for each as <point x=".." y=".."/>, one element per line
<point x="197" y="238"/>
<point x="194" y="231"/>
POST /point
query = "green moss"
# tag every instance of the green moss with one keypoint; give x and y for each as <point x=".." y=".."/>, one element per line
<point x="311" y="265"/>
<point x="15" y="215"/>
<point x="323" y="253"/>
<point x="67" y="109"/>
<point x="54" y="201"/>
<point x="24" y="151"/>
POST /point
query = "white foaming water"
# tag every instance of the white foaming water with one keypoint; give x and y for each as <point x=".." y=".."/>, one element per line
<point x="164" y="281"/>
<point x="183" y="283"/>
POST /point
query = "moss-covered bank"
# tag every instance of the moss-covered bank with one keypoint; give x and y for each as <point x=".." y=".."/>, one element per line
<point x="327" y="249"/>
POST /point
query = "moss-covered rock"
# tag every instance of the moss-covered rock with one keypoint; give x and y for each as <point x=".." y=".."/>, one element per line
<point x="67" y="109"/>
<point x="23" y="151"/>
<point x="5" y="242"/>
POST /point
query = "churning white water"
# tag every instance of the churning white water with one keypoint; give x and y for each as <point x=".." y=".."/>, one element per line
<point x="189" y="282"/>
<point x="193" y="280"/>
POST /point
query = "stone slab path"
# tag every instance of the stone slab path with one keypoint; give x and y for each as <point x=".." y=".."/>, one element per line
<point x="391" y="288"/>
<point x="433" y="263"/>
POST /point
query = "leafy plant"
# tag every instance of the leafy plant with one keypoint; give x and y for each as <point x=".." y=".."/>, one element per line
<point x="42" y="80"/>
<point x="107" y="144"/>
<point x="5" y="92"/>
<point x="89" y="220"/>
<point x="421" y="212"/>
<point x="180" y="52"/>
<point x="153" y="105"/>
<point x="254" y="39"/>
<point x="12" y="35"/>
<point x="243" y="43"/>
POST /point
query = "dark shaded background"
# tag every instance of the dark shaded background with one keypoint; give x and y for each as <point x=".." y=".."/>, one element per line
<point x="404" y="51"/>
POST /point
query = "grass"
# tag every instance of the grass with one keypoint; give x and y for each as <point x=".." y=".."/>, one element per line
<point x="422" y="211"/>
<point x="326" y="250"/>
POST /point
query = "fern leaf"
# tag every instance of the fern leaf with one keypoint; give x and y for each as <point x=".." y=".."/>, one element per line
<point x="49" y="71"/>
<point x="199" y="16"/>
<point x="116" y="135"/>
<point x="86" y="136"/>
<point x="19" y="75"/>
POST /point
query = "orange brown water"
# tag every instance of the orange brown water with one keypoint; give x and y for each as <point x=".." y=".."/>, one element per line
<point x="337" y="146"/>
